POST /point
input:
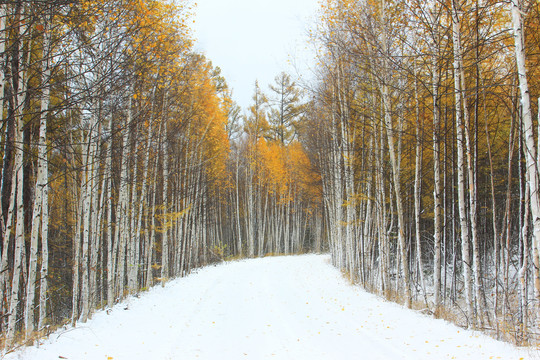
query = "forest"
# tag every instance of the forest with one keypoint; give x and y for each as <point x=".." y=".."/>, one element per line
<point x="411" y="157"/>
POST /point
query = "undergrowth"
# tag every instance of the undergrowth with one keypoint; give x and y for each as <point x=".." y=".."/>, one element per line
<point x="506" y="327"/>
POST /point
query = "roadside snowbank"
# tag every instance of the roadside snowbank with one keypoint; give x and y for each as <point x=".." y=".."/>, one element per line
<point x="294" y="307"/>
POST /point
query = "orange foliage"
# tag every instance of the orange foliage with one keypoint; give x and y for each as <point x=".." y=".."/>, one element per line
<point x="287" y="172"/>
<point x="210" y="112"/>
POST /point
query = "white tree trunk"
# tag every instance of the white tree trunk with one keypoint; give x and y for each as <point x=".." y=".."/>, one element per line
<point x="39" y="215"/>
<point x="437" y="190"/>
<point x="134" y="273"/>
<point x="88" y="193"/>
<point x="97" y="198"/>
<point x="18" y="182"/>
<point x="395" y="157"/>
<point x="250" y="206"/>
<point x="399" y="199"/>
<point x="346" y="158"/>
<point x="3" y="41"/>
<point x="527" y="123"/>
<point x="152" y="237"/>
<point x="523" y="278"/>
<point x="76" y="264"/>
<point x="45" y="196"/>
<point x="19" y="232"/>
<point x="478" y="283"/>
<point x="96" y="202"/>
<point x="132" y="238"/>
<point x="110" y="239"/>
<point x="122" y="229"/>
<point x="165" y="235"/>
<point x="418" y="188"/>
<point x="237" y="192"/>
<point x="465" y="246"/>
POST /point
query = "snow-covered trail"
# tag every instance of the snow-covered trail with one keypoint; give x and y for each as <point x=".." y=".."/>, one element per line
<point x="295" y="307"/>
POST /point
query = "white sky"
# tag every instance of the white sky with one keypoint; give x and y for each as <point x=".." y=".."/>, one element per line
<point x="254" y="40"/>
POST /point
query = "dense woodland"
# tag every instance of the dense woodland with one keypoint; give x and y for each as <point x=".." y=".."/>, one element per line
<point x="411" y="157"/>
<point x="423" y="122"/>
<point x="126" y="163"/>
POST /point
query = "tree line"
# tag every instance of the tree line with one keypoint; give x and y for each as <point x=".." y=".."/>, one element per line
<point x="113" y="144"/>
<point x="423" y="131"/>
<point x="125" y="162"/>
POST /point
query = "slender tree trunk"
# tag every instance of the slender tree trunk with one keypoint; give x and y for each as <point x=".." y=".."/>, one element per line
<point x="478" y="282"/>
<point x="152" y="220"/>
<point x="89" y="184"/>
<point x="165" y="235"/>
<point x="496" y="246"/>
<point x="39" y="214"/>
<point x="3" y="41"/>
<point x="18" y="184"/>
<point x="142" y="199"/>
<point x="95" y="215"/>
<point x="395" y="159"/>
<point x="132" y="244"/>
<point x="465" y="247"/>
<point x="418" y="190"/>
<point x="110" y="234"/>
<point x="508" y="221"/>
<point x="250" y="206"/>
<point x="397" y="191"/>
<point x="122" y="212"/>
<point x="523" y="278"/>
<point x="527" y="123"/>
<point x="437" y="191"/>
<point x="238" y="225"/>
<point x="76" y="264"/>
<point x="3" y="56"/>
<point x="383" y="221"/>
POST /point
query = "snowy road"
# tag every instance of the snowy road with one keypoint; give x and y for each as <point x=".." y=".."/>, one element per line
<point x="296" y="307"/>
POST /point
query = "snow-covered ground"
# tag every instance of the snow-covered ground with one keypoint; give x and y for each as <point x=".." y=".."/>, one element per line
<point x="295" y="307"/>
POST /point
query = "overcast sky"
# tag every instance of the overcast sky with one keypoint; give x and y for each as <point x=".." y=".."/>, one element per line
<point x="254" y="39"/>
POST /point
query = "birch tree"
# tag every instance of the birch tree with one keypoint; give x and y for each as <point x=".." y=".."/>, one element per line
<point x="40" y="220"/>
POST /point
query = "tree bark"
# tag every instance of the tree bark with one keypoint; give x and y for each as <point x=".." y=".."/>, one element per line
<point x="527" y="123"/>
<point x="18" y="185"/>
<point x="465" y="246"/>
<point x="165" y="238"/>
<point x="39" y="214"/>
